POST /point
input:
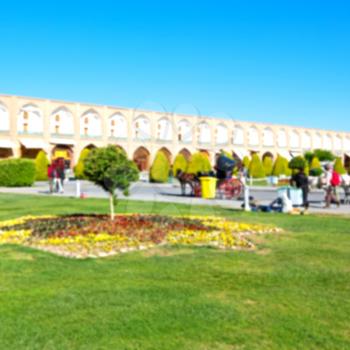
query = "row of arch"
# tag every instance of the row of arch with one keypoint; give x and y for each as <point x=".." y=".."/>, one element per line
<point x="30" y="121"/>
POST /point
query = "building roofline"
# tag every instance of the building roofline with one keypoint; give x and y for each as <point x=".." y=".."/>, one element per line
<point x="213" y="118"/>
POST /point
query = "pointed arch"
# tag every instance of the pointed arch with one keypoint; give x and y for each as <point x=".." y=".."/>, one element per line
<point x="164" y="129"/>
<point x="62" y="122"/>
<point x="253" y="136"/>
<point x="238" y="135"/>
<point x="90" y="124"/>
<point x="268" y="137"/>
<point x="142" y="128"/>
<point x="117" y="126"/>
<point x="30" y="119"/>
<point x="141" y="157"/>
<point x="167" y="153"/>
<point x="221" y="134"/>
<point x="204" y="133"/>
<point x="184" y="131"/>
<point x="267" y="154"/>
<point x="282" y="138"/>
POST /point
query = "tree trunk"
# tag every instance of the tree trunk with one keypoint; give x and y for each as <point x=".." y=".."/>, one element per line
<point x="111" y="205"/>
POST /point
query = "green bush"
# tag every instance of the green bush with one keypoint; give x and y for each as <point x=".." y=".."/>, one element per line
<point x="324" y="155"/>
<point x="256" y="169"/>
<point x="315" y="167"/>
<point x="180" y="163"/>
<point x="309" y="156"/>
<point x="17" y="172"/>
<point x="79" y="168"/>
<point x="246" y="162"/>
<point x="160" y="168"/>
<point x="281" y="167"/>
<point x="268" y="165"/>
<point x="339" y="167"/>
<point x="41" y="164"/>
<point x="199" y="163"/>
<point x="297" y="163"/>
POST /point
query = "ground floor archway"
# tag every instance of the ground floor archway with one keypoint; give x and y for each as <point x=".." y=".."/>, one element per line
<point x="347" y="161"/>
<point x="64" y="152"/>
<point x="186" y="153"/>
<point x="141" y="157"/>
<point x="267" y="154"/>
<point x="30" y="153"/>
<point x="6" y="152"/>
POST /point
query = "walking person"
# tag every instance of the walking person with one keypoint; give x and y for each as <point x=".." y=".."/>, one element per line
<point x="332" y="182"/>
<point x="300" y="180"/>
<point x="61" y="174"/>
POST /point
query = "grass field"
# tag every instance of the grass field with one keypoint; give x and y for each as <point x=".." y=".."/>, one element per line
<point x="292" y="293"/>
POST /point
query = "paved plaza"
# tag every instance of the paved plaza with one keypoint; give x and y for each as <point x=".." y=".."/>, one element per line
<point x="170" y="193"/>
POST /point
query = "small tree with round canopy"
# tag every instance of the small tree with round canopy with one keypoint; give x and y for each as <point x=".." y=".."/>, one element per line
<point x="109" y="168"/>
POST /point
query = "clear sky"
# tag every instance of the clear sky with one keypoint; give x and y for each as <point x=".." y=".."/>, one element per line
<point x="283" y="61"/>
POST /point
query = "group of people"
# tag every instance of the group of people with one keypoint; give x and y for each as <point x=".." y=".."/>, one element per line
<point x="56" y="175"/>
<point x="330" y="182"/>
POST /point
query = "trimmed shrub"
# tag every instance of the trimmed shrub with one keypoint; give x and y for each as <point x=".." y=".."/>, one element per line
<point x="17" y="172"/>
<point x="281" y="167"/>
<point x="309" y="156"/>
<point x="41" y="164"/>
<point x="297" y="163"/>
<point x="199" y="163"/>
<point x="339" y="167"/>
<point x="315" y="167"/>
<point x="268" y="165"/>
<point x="180" y="163"/>
<point x="256" y="169"/>
<point x="246" y="162"/>
<point x="324" y="155"/>
<point x="160" y="168"/>
<point x="79" y="168"/>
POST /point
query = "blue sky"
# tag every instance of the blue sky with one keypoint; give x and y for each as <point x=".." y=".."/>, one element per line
<point x="269" y="61"/>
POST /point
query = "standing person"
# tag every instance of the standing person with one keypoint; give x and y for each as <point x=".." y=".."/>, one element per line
<point x="301" y="181"/>
<point x="332" y="182"/>
<point x="61" y="174"/>
<point x="50" y="176"/>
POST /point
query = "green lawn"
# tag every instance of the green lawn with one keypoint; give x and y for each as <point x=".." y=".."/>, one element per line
<point x="293" y="293"/>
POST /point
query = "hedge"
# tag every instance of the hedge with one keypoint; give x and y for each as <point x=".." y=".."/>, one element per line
<point x="256" y="169"/>
<point x="180" y="163"/>
<point x="17" y="172"/>
<point x="246" y="162"/>
<point x="315" y="167"/>
<point x="41" y="164"/>
<point x="281" y="167"/>
<point x="160" y="168"/>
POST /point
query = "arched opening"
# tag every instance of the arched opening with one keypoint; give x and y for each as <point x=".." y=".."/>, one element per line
<point x="64" y="152"/>
<point x="29" y="153"/>
<point x="167" y="153"/>
<point x="61" y="122"/>
<point x="282" y="138"/>
<point x="164" y="130"/>
<point x="221" y="135"/>
<point x="186" y="153"/>
<point x="184" y="133"/>
<point x="268" y="137"/>
<point x="204" y="133"/>
<point x="253" y="136"/>
<point x="238" y="135"/>
<point x="347" y="161"/>
<point x="6" y="152"/>
<point x="141" y="158"/>
<point x="142" y="128"/>
<point x="30" y="120"/>
<point x="90" y="124"/>
<point x="117" y="124"/>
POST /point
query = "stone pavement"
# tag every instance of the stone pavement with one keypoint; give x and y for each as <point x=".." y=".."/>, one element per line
<point x="170" y="193"/>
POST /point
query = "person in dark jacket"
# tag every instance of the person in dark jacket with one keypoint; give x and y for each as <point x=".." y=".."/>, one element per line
<point x="300" y="180"/>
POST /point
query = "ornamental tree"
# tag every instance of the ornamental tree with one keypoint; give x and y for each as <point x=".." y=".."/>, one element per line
<point x="246" y="162"/>
<point x="109" y="168"/>
<point x="268" y="165"/>
<point x="79" y="168"/>
<point x="315" y="167"/>
<point x="339" y="167"/>
<point x="280" y="166"/>
<point x="41" y="164"/>
<point x="160" y="168"/>
<point x="256" y="169"/>
<point x="324" y="155"/>
<point x="180" y="163"/>
<point x="199" y="163"/>
<point x="298" y="162"/>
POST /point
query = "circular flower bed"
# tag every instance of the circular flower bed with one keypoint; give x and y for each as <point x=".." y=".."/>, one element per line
<point x="83" y="236"/>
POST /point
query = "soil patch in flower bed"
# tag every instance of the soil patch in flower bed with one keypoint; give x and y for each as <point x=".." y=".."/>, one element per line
<point x="96" y="235"/>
